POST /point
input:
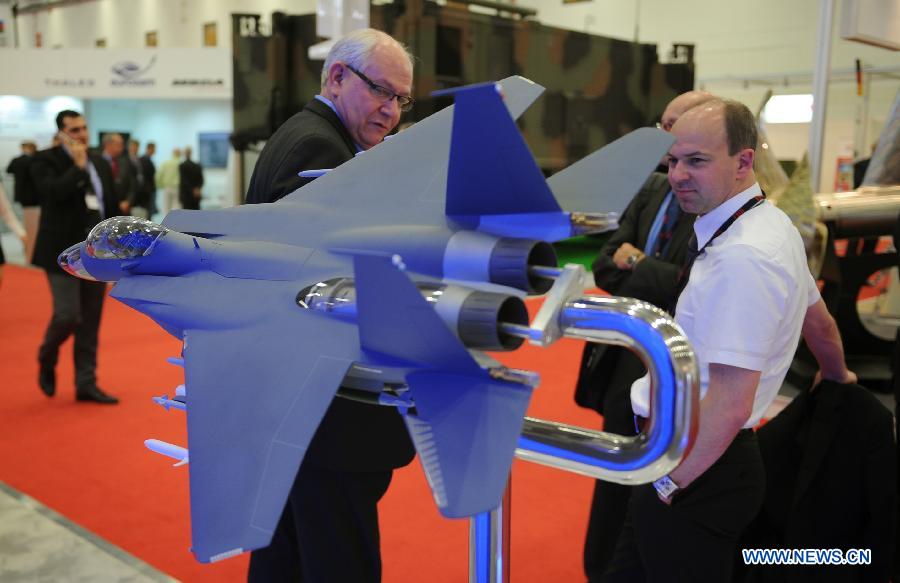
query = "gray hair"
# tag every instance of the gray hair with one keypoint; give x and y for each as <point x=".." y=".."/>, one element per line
<point x="355" y="48"/>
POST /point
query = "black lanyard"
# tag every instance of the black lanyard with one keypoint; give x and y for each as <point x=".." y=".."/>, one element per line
<point x="693" y="252"/>
<point x="752" y="203"/>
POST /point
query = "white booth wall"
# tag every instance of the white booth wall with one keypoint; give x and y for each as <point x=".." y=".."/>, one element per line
<point x="123" y="23"/>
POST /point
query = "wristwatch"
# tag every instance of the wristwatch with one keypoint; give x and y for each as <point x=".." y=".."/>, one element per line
<point x="665" y="487"/>
<point x="633" y="259"/>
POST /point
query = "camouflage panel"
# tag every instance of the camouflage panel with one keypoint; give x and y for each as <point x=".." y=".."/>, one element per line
<point x="598" y="88"/>
<point x="254" y="79"/>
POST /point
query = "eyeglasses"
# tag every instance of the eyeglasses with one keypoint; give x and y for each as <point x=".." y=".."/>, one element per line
<point x="383" y="93"/>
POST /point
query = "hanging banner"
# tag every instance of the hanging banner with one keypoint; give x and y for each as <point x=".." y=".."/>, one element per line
<point x="151" y="73"/>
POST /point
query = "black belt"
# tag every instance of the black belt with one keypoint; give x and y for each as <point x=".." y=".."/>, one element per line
<point x="641" y="422"/>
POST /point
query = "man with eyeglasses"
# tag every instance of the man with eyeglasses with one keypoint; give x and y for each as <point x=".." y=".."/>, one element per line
<point x="329" y="528"/>
<point x="366" y="85"/>
<point x="640" y="260"/>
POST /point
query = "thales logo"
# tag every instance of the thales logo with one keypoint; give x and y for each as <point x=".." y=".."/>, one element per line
<point x="129" y="73"/>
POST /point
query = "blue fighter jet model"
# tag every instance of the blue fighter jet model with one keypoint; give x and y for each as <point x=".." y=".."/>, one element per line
<point x="386" y="276"/>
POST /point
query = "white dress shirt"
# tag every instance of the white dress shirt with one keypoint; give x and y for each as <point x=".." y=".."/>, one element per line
<point x="746" y="298"/>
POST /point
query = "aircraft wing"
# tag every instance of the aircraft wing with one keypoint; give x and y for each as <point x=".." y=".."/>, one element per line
<point x="607" y="179"/>
<point x="256" y="391"/>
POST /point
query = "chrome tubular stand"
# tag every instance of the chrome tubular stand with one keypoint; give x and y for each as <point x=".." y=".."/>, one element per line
<point x="489" y="533"/>
<point x="674" y="396"/>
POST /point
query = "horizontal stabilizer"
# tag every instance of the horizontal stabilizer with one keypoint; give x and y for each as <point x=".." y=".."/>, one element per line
<point x="464" y="427"/>
<point x="396" y="322"/>
<point x="608" y="179"/>
<point x="466" y="423"/>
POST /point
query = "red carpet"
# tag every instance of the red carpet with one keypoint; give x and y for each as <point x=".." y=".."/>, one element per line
<point x="88" y="462"/>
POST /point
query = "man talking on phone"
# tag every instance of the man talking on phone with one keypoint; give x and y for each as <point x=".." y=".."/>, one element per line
<point x="76" y="191"/>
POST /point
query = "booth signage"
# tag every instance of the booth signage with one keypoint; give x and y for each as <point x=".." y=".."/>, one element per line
<point x="131" y="73"/>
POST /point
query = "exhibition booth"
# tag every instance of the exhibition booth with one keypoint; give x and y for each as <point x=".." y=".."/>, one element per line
<point x="174" y="97"/>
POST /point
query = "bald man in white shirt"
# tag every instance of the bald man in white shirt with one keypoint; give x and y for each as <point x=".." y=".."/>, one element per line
<point x="747" y="299"/>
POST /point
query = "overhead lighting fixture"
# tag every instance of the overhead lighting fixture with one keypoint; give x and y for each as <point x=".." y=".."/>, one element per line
<point x="789" y="109"/>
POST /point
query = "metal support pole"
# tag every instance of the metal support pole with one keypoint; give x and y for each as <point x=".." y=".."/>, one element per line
<point x="820" y="93"/>
<point x="489" y="543"/>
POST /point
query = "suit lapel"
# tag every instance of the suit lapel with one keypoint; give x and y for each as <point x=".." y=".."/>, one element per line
<point x="331" y="117"/>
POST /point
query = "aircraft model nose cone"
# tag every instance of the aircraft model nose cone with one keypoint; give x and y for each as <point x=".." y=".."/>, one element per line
<point x="123" y="238"/>
<point x="70" y="261"/>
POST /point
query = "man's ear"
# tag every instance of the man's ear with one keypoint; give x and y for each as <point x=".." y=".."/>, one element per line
<point x="336" y="74"/>
<point x="745" y="161"/>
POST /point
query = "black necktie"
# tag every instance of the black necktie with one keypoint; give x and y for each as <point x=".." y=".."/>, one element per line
<point x="685" y="273"/>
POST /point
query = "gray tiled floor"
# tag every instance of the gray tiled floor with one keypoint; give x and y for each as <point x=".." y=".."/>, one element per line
<point x="38" y="545"/>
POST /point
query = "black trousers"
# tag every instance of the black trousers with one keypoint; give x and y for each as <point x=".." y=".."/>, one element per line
<point x="77" y="306"/>
<point x="694" y="539"/>
<point x="328" y="531"/>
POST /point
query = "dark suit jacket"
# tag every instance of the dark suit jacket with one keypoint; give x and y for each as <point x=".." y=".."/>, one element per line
<point x="353" y="436"/>
<point x="65" y="218"/>
<point x="126" y="182"/>
<point x="190" y="176"/>
<point x="653" y="280"/>
<point x="312" y="139"/>
<point x="831" y="482"/>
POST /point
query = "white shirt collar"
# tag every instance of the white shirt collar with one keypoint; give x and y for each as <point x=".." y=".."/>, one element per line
<point x="706" y="225"/>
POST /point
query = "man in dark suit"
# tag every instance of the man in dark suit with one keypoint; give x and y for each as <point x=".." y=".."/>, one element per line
<point x="641" y="260"/>
<point x="76" y="191"/>
<point x="329" y="529"/>
<point x="124" y="181"/>
<point x="190" y="185"/>
<point x="148" y="169"/>
<point x="139" y="200"/>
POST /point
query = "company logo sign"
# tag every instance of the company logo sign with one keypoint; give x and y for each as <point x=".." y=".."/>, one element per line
<point x="198" y="82"/>
<point x="71" y="83"/>
<point x="131" y="74"/>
